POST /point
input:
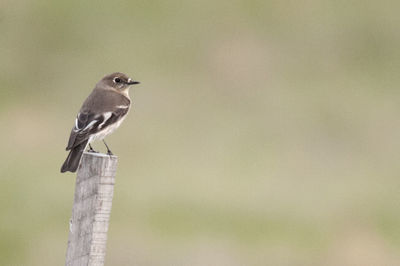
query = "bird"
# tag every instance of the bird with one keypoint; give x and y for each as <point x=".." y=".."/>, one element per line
<point x="101" y="113"/>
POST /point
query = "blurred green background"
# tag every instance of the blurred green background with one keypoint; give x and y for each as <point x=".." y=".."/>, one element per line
<point x="263" y="133"/>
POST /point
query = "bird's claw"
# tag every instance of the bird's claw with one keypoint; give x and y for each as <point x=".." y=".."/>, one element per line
<point x="91" y="149"/>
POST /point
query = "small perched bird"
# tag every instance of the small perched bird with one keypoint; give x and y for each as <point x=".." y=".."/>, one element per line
<point x="102" y="112"/>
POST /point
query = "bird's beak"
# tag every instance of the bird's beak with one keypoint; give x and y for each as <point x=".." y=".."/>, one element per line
<point x="132" y="82"/>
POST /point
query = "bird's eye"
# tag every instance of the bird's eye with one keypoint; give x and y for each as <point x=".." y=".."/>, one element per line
<point x="117" y="80"/>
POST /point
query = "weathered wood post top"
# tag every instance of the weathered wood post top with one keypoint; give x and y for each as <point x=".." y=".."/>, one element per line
<point x="91" y="211"/>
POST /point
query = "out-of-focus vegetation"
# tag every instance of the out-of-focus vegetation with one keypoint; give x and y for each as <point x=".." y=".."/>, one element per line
<point x="263" y="133"/>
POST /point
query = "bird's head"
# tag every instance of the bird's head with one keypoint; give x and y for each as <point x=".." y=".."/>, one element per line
<point x="118" y="81"/>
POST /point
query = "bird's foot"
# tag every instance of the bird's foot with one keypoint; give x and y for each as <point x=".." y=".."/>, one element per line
<point x="108" y="149"/>
<point x="91" y="149"/>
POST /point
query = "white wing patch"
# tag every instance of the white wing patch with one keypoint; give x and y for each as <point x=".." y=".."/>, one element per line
<point x="90" y="124"/>
<point x="76" y="123"/>
<point x="106" y="131"/>
<point x="122" y="106"/>
<point x="106" y="116"/>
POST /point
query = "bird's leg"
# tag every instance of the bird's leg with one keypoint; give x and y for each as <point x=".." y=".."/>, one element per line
<point x="91" y="149"/>
<point x="108" y="149"/>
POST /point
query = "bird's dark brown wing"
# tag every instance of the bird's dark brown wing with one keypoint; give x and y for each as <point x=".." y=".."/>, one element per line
<point x="84" y="124"/>
<point x="87" y="124"/>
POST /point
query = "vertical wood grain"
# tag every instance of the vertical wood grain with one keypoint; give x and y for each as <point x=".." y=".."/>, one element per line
<point x="91" y="211"/>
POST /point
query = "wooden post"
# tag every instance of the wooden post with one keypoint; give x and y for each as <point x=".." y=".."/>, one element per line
<point x="94" y="191"/>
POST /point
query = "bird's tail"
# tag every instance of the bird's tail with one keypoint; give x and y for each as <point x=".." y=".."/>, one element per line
<point x="74" y="157"/>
